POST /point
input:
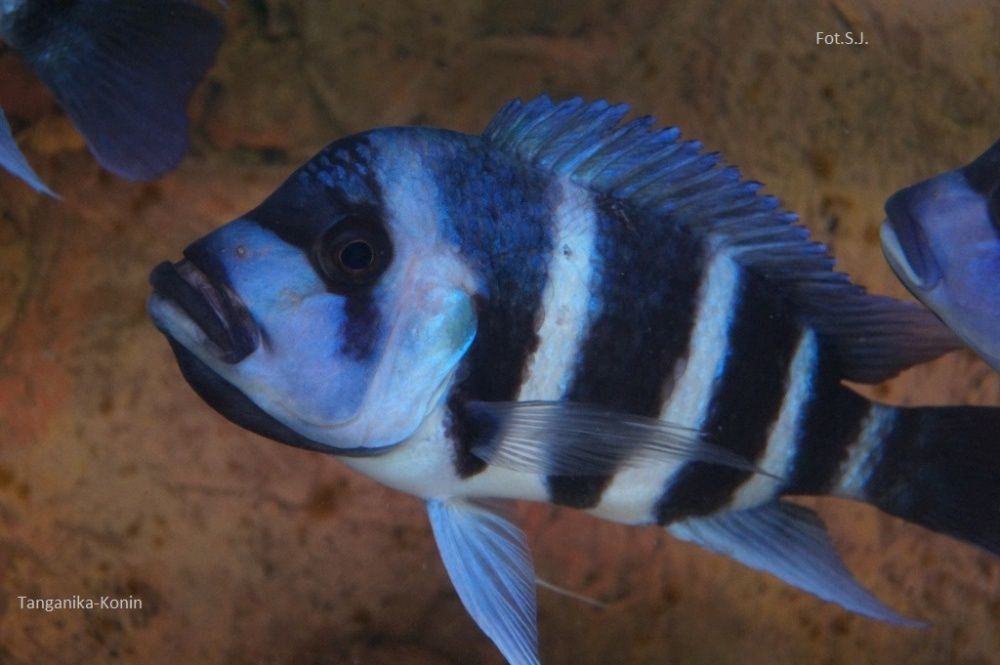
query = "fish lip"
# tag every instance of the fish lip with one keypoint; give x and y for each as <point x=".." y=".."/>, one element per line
<point x="903" y="238"/>
<point x="211" y="305"/>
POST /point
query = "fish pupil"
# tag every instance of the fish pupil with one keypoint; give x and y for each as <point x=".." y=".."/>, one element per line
<point x="357" y="255"/>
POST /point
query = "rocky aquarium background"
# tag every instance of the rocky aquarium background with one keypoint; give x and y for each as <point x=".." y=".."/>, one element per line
<point x="116" y="480"/>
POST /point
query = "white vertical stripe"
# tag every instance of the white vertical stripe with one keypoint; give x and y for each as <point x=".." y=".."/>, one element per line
<point x="688" y="403"/>
<point x="783" y="437"/>
<point x="632" y="494"/>
<point x="863" y="454"/>
<point x="566" y="298"/>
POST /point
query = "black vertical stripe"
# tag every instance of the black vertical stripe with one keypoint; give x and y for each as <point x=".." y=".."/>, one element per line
<point x="940" y="467"/>
<point x="339" y="183"/>
<point x="648" y="277"/>
<point x="831" y="420"/>
<point x="361" y="320"/>
<point x="500" y="214"/>
<point x="746" y="400"/>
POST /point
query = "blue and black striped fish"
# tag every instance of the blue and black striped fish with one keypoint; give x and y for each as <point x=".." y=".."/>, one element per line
<point x="582" y="310"/>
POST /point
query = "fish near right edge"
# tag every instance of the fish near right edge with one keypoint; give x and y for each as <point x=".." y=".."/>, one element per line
<point x="942" y="239"/>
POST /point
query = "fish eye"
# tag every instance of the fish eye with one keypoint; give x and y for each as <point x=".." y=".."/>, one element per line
<point x="353" y="253"/>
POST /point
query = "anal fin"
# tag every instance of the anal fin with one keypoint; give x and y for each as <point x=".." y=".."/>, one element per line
<point x="791" y="543"/>
<point x="487" y="559"/>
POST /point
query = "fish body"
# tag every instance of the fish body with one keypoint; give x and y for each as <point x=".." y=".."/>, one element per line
<point x="578" y="310"/>
<point x="123" y="70"/>
<point x="942" y="239"/>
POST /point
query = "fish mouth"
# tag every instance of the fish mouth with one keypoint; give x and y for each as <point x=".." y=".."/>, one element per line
<point x="211" y="305"/>
<point x="905" y="245"/>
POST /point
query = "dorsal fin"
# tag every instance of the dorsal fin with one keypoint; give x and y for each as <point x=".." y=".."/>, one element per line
<point x="874" y="337"/>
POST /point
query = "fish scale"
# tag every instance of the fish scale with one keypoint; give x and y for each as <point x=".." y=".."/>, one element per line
<point x="587" y="312"/>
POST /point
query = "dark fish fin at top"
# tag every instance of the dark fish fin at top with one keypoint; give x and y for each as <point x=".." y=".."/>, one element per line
<point x="486" y="556"/>
<point x="874" y="337"/>
<point x="123" y="71"/>
<point x="791" y="543"/>
<point x="573" y="439"/>
<point x="13" y="160"/>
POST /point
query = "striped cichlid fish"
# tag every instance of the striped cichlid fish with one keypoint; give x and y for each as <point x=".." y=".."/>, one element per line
<point x="583" y="310"/>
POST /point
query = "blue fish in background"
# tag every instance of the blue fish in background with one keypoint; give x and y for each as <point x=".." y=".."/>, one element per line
<point x="123" y="70"/>
<point x="942" y="239"/>
<point x="576" y="309"/>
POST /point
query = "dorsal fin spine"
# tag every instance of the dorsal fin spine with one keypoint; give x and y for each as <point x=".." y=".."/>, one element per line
<point x="552" y="125"/>
<point x="578" y="153"/>
<point x="666" y="172"/>
<point x="698" y="184"/>
<point x="616" y="147"/>
<point x="593" y="120"/>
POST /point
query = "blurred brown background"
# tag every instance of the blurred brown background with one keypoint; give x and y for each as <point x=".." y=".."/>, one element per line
<point x="115" y="479"/>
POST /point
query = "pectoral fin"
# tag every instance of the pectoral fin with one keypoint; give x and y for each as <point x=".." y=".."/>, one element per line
<point x="487" y="559"/>
<point x="573" y="439"/>
<point x="791" y="543"/>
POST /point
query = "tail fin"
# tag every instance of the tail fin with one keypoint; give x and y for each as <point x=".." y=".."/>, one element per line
<point x="936" y="466"/>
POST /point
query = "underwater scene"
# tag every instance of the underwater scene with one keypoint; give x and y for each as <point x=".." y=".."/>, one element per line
<point x="472" y="332"/>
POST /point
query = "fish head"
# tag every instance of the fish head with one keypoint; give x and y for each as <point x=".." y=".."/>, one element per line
<point x="942" y="239"/>
<point x="330" y="317"/>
